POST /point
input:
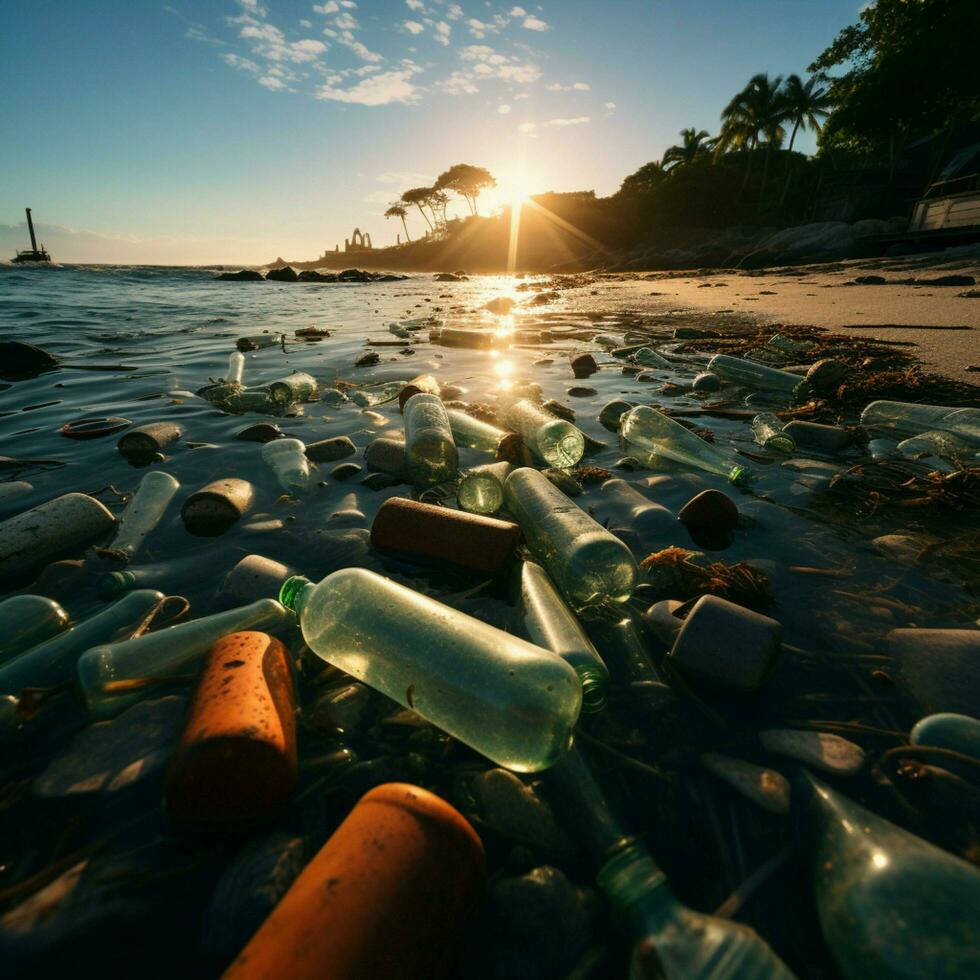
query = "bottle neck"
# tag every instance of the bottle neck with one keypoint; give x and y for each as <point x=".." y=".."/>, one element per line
<point x="636" y="887"/>
<point x="294" y="593"/>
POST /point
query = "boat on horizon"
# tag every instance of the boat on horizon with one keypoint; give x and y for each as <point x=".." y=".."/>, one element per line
<point x="32" y="254"/>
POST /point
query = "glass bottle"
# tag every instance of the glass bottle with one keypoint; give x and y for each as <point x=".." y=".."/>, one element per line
<point x="890" y="904"/>
<point x="752" y="375"/>
<point x="648" y="357"/>
<point x="468" y="431"/>
<point x="620" y="504"/>
<point x="53" y="662"/>
<point x="249" y="400"/>
<point x="648" y="433"/>
<point x="586" y="562"/>
<point x="143" y="512"/>
<point x="430" y="451"/>
<point x="183" y="573"/>
<point x="236" y="368"/>
<point x="769" y="433"/>
<point x="26" y="620"/>
<point x="481" y="491"/>
<point x="297" y="387"/>
<point x="106" y="674"/>
<point x="287" y="457"/>
<point x="945" y="446"/>
<point x="554" y="440"/>
<point x="552" y="625"/>
<point x="504" y="697"/>
<point x="904" y="419"/>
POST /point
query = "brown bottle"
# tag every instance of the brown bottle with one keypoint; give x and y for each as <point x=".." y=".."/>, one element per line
<point x="386" y="898"/>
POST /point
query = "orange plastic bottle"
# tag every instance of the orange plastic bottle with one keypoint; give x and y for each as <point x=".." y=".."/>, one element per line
<point x="386" y="898"/>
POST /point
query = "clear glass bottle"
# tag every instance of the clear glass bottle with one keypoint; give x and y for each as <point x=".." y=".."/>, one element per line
<point x="26" y="620"/>
<point x="109" y="675"/>
<point x="586" y="562"/>
<point x="53" y="662"/>
<point x="182" y="573"/>
<point x="430" y="451"/>
<point x="890" y="904"/>
<point x="752" y="375"/>
<point x="620" y="504"/>
<point x="557" y="442"/>
<point x="504" y="697"/>
<point x="944" y="446"/>
<point x="769" y="434"/>
<point x="143" y="512"/>
<point x="468" y="431"/>
<point x="552" y="625"/>
<point x="287" y="457"/>
<point x="648" y="357"/>
<point x="905" y="419"/>
<point x="649" y="434"/>
<point x="236" y="368"/>
<point x="481" y="491"/>
<point x="297" y="387"/>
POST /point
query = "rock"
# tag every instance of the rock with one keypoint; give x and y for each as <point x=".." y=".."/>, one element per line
<point x="262" y="432"/>
<point x="828" y="752"/>
<point x="947" y="281"/>
<point x="367" y="358"/>
<point x="345" y="471"/>
<point x="542" y="299"/>
<point x="904" y="549"/>
<point x="380" y="481"/>
<point x="827" y="439"/>
<point x="112" y="756"/>
<point x="958" y="733"/>
<point x="314" y="275"/>
<point x="246" y="275"/>
<point x="502" y="305"/>
<point x="870" y="281"/>
<point x="285" y="274"/>
<point x="584" y="365"/>
<point x="341" y="710"/>
<point x="939" y="667"/>
<point x="18" y="358"/>
<point x="710" y="510"/>
<point x="329" y="450"/>
<point x="248" y="890"/>
<point x="449" y="277"/>
<point x="612" y="412"/>
<point x="706" y="381"/>
<point x="764" y="787"/>
<point x="826" y="374"/>
<point x="581" y="391"/>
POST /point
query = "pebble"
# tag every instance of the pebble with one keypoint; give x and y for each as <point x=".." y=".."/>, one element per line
<point x="345" y="471"/>
<point x="328" y="450"/>
<point x="584" y="365"/>
<point x="380" y="481"/>
<point x="706" y="381"/>
<point x="612" y="412"/>
<point x="765" y="787"/>
<point x="828" y="752"/>
<point x="940" y="667"/>
<point x="367" y="358"/>
<point x="710" y="510"/>
<point x="959" y="733"/>
<point x="581" y="391"/>
<point x="261" y="432"/>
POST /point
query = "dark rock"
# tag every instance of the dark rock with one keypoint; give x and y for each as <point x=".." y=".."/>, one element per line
<point x="581" y="391"/>
<point x="246" y="275"/>
<point x="562" y="411"/>
<point x="706" y="381"/>
<point x="18" y="358"/>
<point x="584" y="366"/>
<point x="345" y="471"/>
<point x="542" y="299"/>
<point x="612" y="413"/>
<point x="947" y="281"/>
<point x="262" y="432"/>
<point x="354" y="275"/>
<point x="329" y="450"/>
<point x="314" y="275"/>
<point x="380" y="481"/>
<point x="871" y="281"/>
<point x="693" y="333"/>
<point x="710" y="510"/>
<point x="367" y="359"/>
<point x="341" y="710"/>
<point x="450" y="277"/>
<point x="286" y="274"/>
<point x="940" y="668"/>
<point x="826" y="374"/>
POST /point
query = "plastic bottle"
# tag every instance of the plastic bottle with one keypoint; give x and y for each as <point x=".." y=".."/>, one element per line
<point x="430" y="451"/>
<point x="26" y="620"/>
<point x="236" y="368"/>
<point x="749" y="374"/>
<point x="388" y="897"/>
<point x="53" y="662"/>
<point x="143" y="512"/>
<point x="890" y="905"/>
<point x="769" y="434"/>
<point x="647" y="431"/>
<point x="586" y="562"/>
<point x="287" y="457"/>
<point x="552" y="625"/>
<point x="106" y="673"/>
<point x="557" y="442"/>
<point x="905" y="419"/>
<point x="481" y="491"/>
<point x="297" y="387"/>
<point x="468" y="431"/>
<point x="504" y="697"/>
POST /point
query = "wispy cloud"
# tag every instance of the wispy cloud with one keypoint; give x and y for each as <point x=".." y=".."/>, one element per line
<point x="574" y="87"/>
<point x="533" y="23"/>
<point x="577" y="121"/>
<point x="378" y="89"/>
<point x="412" y="26"/>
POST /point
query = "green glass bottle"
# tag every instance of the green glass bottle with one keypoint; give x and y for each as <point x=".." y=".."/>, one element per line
<point x="468" y="431"/>
<point x="586" y="562"/>
<point x="26" y="620"/>
<point x="552" y="625"/>
<point x="106" y="673"/>
<point x="751" y="375"/>
<point x="481" y="491"/>
<point x="430" y="451"/>
<point x="891" y="906"/>
<point x="768" y="430"/>
<point x="554" y="440"/>
<point x="287" y="457"/>
<point x="649" y="434"/>
<point x="504" y="697"/>
<point x="143" y="512"/>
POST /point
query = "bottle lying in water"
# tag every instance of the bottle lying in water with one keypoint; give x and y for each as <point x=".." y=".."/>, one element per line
<point x="649" y="434"/>
<point x="504" y="697"/>
<point x="26" y="620"/>
<point x="143" y="512"/>
<point x="751" y="375"/>
<point x="287" y="457"/>
<point x="430" y="452"/>
<point x="554" y="440"/>
<point x="468" y="431"/>
<point x="481" y="491"/>
<point x="768" y="430"/>
<point x="905" y="419"/>
<point x="297" y="387"/>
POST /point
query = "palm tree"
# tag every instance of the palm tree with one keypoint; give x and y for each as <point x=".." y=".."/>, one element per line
<point x="695" y="143"/>
<point x="419" y="196"/>
<point x="805" y="103"/>
<point x="757" y="111"/>
<point x="398" y="210"/>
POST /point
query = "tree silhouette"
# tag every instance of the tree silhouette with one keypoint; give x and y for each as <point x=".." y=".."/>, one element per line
<point x="757" y="111"/>
<point x="420" y="197"/>
<point x="438" y="202"/>
<point x="805" y="103"/>
<point x="467" y="181"/>
<point x="399" y="210"/>
<point x="695" y="143"/>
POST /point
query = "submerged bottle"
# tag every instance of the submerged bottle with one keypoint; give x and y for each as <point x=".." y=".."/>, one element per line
<point x="587" y="563"/>
<point x="890" y="905"/>
<point x="468" y="431"/>
<point x="504" y="697"/>
<point x="904" y="419"/>
<point x="648" y="357"/>
<point x="297" y="387"/>
<point x="430" y="451"/>
<point x="170" y="574"/>
<point x="552" y="625"/>
<point x="556" y="441"/>
<point x="26" y="620"/>
<point x="621" y="505"/>
<point x="947" y="448"/>
<point x="110" y="676"/>
<point x="651" y="434"/>
<point x="768" y="430"/>
<point x="143" y="512"/>
<point x="481" y="491"/>
<point x="287" y="457"/>
<point x="753" y="375"/>
<point x="236" y="368"/>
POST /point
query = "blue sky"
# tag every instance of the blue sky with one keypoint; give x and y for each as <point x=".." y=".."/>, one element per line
<point x="236" y="130"/>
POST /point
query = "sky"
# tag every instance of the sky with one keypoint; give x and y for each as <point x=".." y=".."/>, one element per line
<point x="236" y="131"/>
